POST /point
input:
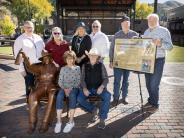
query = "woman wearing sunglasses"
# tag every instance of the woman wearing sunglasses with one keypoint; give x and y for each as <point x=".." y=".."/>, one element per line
<point x="99" y="40"/>
<point x="81" y="42"/>
<point x="57" y="46"/>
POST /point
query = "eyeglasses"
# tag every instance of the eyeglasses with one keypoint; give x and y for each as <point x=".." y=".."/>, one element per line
<point x="95" y="26"/>
<point x="55" y="33"/>
<point x="28" y="27"/>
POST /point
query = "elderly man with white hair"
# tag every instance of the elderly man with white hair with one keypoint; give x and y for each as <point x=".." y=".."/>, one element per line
<point x="99" y="40"/>
<point x="32" y="45"/>
<point x="162" y="39"/>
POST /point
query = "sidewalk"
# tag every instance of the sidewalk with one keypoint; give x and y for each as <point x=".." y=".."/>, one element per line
<point x="123" y="121"/>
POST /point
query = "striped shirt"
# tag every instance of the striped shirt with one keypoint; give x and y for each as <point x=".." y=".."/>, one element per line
<point x="163" y="34"/>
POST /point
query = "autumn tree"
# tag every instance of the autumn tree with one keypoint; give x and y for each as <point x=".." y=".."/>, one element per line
<point x="7" y="27"/>
<point x="40" y="9"/>
<point x="143" y="10"/>
<point x="30" y="9"/>
<point x="3" y="11"/>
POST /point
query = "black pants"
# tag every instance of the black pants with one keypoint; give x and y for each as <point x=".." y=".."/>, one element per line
<point x="29" y="82"/>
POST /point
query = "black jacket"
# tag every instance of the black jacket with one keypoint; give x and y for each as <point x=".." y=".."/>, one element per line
<point x="84" y="45"/>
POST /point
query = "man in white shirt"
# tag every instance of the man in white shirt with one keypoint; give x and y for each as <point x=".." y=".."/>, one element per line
<point x="32" y="45"/>
<point x="99" y="40"/>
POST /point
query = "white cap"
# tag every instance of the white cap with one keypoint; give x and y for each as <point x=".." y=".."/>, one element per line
<point x="94" y="51"/>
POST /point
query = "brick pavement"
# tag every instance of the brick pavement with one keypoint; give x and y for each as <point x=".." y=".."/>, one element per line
<point x="123" y="121"/>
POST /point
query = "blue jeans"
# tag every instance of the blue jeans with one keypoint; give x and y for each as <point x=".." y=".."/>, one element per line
<point x="118" y="73"/>
<point x="104" y="106"/>
<point x="72" y="98"/>
<point x="153" y="82"/>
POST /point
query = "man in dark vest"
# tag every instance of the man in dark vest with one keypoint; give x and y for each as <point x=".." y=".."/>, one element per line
<point x="94" y="81"/>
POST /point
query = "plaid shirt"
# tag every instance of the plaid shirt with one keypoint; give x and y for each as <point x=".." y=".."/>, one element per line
<point x="163" y="34"/>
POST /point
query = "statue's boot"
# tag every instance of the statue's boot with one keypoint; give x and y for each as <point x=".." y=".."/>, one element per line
<point x="32" y="127"/>
<point x="44" y="127"/>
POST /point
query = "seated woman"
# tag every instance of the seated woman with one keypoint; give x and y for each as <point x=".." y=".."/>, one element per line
<point x="94" y="81"/>
<point x="69" y="81"/>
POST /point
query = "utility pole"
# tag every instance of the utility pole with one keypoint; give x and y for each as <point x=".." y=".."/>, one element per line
<point x="155" y="6"/>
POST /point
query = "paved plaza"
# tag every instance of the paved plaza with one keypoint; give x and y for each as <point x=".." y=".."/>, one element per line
<point x="123" y="121"/>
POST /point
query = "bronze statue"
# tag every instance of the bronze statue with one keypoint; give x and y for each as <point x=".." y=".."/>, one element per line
<point x="46" y="85"/>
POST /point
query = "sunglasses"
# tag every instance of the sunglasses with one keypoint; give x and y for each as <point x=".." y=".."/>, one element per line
<point x="95" y="26"/>
<point x="55" y="33"/>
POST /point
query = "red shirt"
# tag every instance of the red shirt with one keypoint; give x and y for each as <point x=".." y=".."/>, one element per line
<point x="57" y="51"/>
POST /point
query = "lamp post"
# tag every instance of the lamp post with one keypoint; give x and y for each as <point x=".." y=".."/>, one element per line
<point x="29" y="11"/>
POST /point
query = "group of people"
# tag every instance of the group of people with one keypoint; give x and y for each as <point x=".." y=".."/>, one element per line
<point x="81" y="72"/>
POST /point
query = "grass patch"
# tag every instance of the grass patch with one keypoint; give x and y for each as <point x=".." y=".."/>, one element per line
<point x="6" y="50"/>
<point x="175" y="55"/>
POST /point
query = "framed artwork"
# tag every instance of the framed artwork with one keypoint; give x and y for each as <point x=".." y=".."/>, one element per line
<point x="135" y="54"/>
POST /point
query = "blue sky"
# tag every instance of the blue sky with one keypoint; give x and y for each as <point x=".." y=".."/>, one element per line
<point x="160" y="1"/>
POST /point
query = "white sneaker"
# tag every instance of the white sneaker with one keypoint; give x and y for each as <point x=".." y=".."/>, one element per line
<point x="57" y="128"/>
<point x="68" y="127"/>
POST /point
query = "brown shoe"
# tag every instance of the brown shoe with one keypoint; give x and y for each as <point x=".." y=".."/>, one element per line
<point x="150" y="108"/>
<point x="147" y="105"/>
